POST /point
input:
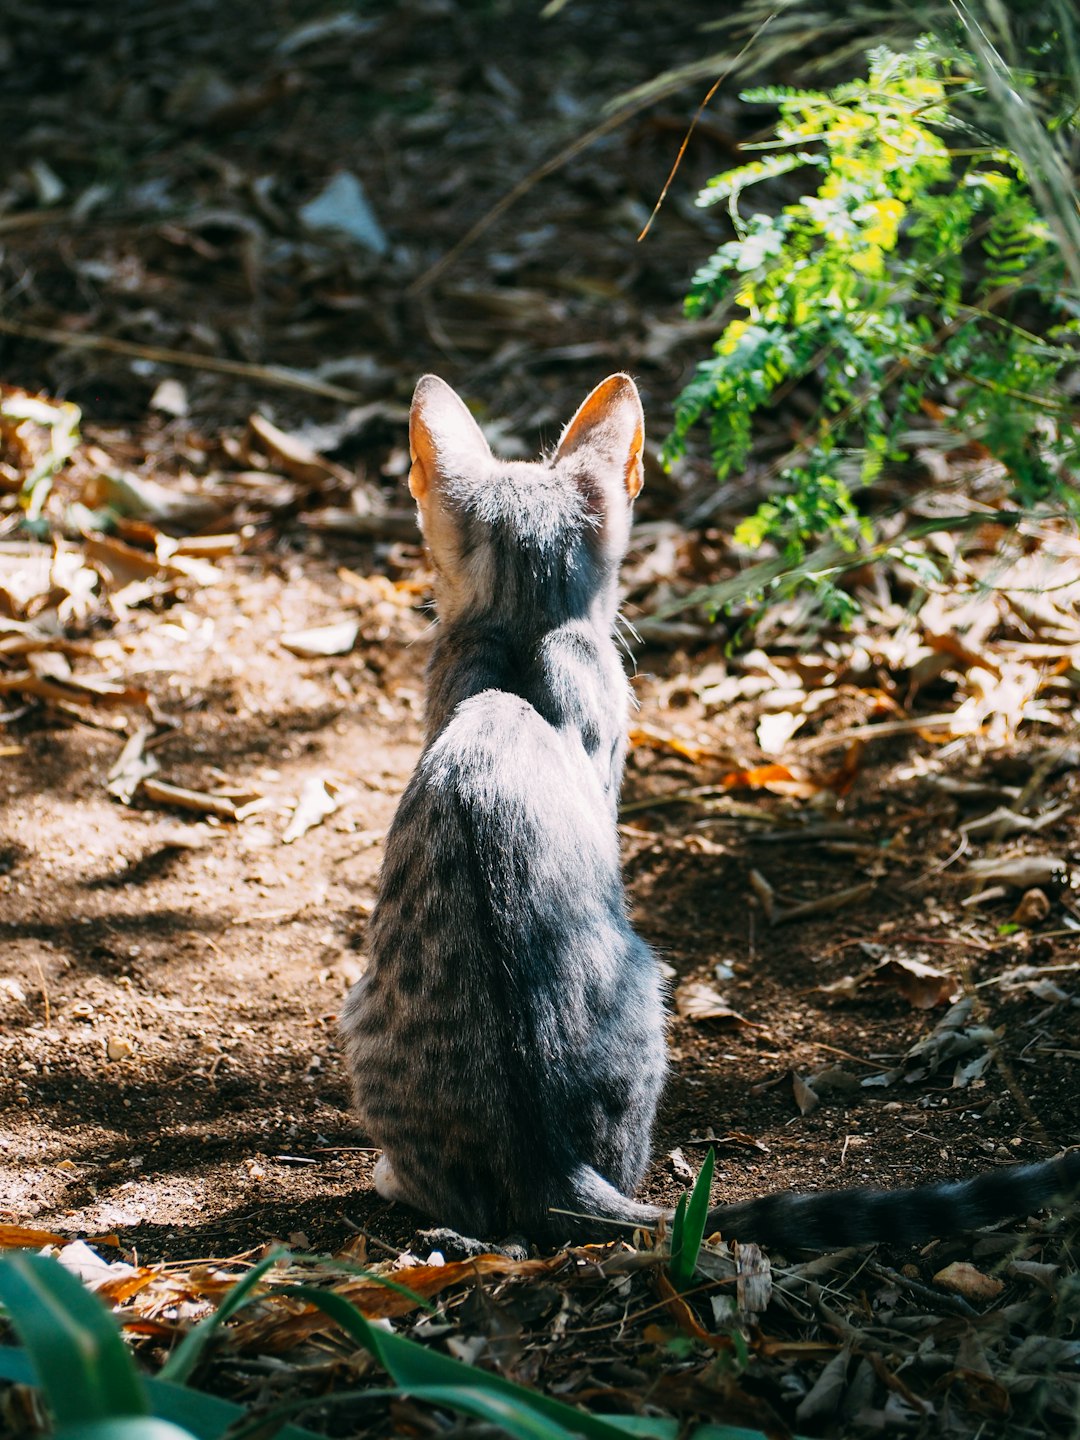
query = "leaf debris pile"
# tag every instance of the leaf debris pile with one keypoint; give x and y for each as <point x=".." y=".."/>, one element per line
<point x="967" y="1334"/>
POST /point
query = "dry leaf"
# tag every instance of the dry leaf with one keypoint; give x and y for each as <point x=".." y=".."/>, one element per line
<point x="120" y="564"/>
<point x="73" y="689"/>
<point x="19" y="1237"/>
<point x="680" y="1167"/>
<point x="170" y="398"/>
<point x="921" y="985"/>
<point x="317" y="801"/>
<point x="685" y="1318"/>
<point x="294" y="456"/>
<point x="165" y="794"/>
<point x="963" y="1279"/>
<point x="1033" y="909"/>
<point x="278" y="1327"/>
<point x="825" y="904"/>
<point x="648" y="737"/>
<point x="753" y="1285"/>
<point x="824" y="1396"/>
<point x="776" y="778"/>
<point x="846" y="773"/>
<point x="204" y="547"/>
<point x="324" y="640"/>
<point x="955" y="648"/>
<point x="806" y="1098"/>
<point x="1003" y="822"/>
<point x="132" y="766"/>
<point x="140" y="498"/>
<point x="698" y="1001"/>
<point x="1024" y="872"/>
<point x="971" y="1070"/>
<point x="91" y="1269"/>
<point x="774" y="731"/>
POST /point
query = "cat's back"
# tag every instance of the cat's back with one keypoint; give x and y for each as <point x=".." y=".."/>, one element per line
<point x="505" y="827"/>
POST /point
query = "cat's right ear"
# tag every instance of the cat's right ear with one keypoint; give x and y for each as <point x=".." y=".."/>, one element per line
<point x="445" y="442"/>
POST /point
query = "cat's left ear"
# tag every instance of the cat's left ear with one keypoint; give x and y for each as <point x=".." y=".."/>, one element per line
<point x="445" y="442"/>
<point x="608" y="435"/>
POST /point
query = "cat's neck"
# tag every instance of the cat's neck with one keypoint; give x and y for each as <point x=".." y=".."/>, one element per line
<point x="570" y="673"/>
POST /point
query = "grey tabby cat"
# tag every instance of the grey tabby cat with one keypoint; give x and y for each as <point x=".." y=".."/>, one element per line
<point x="507" y="1043"/>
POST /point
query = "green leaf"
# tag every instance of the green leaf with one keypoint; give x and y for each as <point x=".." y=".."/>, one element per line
<point x="688" y="1228"/>
<point x="181" y="1363"/>
<point x="516" y="1419"/>
<point x="678" y="1237"/>
<point x="672" y="1429"/>
<point x="521" y="1420"/>
<point x="732" y="182"/>
<point x="130" y="1427"/>
<point x="74" y="1344"/>
<point x="413" y="1366"/>
<point x="207" y="1417"/>
<point x="185" y="1357"/>
<point x="891" y="291"/>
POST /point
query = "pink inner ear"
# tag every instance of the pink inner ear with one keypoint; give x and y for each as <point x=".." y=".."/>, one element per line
<point x="611" y="424"/>
<point x="635" y="471"/>
<point x="444" y="439"/>
<point x="422" y="452"/>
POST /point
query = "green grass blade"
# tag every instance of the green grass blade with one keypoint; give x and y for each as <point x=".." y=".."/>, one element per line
<point x="516" y="1417"/>
<point x="695" y="1216"/>
<point x="646" y="1426"/>
<point x="510" y="1418"/>
<point x="15" y="1366"/>
<point x="124" y="1427"/>
<point x="185" y="1357"/>
<point x="207" y="1417"/>
<point x="414" y="1367"/>
<point x="181" y="1363"/>
<point x="79" y="1357"/>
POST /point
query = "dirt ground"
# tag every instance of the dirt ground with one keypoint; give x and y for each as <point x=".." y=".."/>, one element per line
<point x="169" y="985"/>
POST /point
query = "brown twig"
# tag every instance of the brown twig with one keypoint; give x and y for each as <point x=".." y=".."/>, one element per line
<point x="260" y="374"/>
<point x="697" y="116"/>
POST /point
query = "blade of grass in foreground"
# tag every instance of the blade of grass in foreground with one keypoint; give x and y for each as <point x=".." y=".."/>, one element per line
<point x="79" y="1357"/>
<point x="414" y="1367"/>
<point x="508" y="1416"/>
<point x="688" y="1229"/>
<point x="185" y="1357"/>
<point x="207" y="1417"/>
<point x="181" y="1363"/>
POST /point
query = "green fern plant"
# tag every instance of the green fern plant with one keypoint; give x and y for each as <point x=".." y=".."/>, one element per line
<point x="902" y="283"/>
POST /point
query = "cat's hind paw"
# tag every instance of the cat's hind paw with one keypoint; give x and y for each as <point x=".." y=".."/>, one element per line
<point x="453" y="1246"/>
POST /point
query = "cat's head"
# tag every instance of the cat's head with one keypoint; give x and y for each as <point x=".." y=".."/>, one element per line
<point x="533" y="537"/>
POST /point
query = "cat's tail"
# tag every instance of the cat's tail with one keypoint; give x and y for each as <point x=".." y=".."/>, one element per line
<point x="825" y="1219"/>
<point x="828" y="1219"/>
<point x="593" y="1196"/>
